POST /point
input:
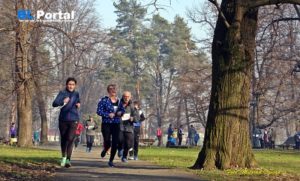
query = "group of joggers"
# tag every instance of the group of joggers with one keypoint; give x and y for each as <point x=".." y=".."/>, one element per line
<point x="121" y="121"/>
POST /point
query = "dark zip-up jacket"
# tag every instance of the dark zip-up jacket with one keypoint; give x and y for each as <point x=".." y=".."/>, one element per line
<point x="69" y="112"/>
<point x="127" y="125"/>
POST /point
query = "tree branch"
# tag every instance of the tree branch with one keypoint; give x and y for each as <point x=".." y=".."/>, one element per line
<point x="297" y="10"/>
<point x="220" y="12"/>
<point x="258" y="3"/>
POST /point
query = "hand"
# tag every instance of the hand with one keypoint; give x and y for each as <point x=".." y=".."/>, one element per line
<point x="119" y="113"/>
<point x="78" y="105"/>
<point x="111" y="115"/>
<point x="66" y="100"/>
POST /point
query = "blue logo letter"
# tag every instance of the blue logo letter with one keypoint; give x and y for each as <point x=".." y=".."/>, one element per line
<point x="24" y="14"/>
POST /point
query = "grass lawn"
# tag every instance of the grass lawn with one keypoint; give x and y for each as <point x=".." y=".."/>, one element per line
<point x="273" y="164"/>
<point x="27" y="163"/>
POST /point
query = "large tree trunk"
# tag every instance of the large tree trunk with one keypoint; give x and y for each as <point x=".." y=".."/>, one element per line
<point x="227" y="143"/>
<point x="23" y="81"/>
<point x="37" y="85"/>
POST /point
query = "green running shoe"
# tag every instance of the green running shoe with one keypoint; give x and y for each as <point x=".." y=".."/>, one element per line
<point x="63" y="161"/>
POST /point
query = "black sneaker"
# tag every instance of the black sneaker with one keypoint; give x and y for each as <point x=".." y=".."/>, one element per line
<point x="103" y="153"/>
<point x="111" y="164"/>
<point x="68" y="163"/>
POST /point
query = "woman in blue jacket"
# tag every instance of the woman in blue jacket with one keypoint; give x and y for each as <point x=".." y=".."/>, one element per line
<point x="69" y="102"/>
<point x="111" y="110"/>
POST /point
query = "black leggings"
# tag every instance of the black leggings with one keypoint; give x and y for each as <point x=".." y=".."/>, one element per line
<point x="90" y="141"/>
<point x="110" y="132"/>
<point x="67" y="135"/>
<point x="136" y="140"/>
<point x="126" y="142"/>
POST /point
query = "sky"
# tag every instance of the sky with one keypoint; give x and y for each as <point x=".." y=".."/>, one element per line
<point x="108" y="18"/>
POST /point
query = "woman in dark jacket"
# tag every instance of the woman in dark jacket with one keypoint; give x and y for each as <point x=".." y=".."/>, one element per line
<point x="69" y="102"/>
<point x="111" y="111"/>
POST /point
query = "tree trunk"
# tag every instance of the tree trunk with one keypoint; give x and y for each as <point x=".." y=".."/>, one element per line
<point x="227" y="143"/>
<point x="187" y="116"/>
<point x="37" y="84"/>
<point x="178" y="116"/>
<point x="23" y="81"/>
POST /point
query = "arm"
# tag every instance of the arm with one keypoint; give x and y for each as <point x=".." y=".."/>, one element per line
<point x="59" y="100"/>
<point x="101" y="109"/>
<point x="142" y="117"/>
<point x="78" y="101"/>
<point x="121" y="109"/>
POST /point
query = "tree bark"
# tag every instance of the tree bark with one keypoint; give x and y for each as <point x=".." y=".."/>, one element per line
<point x="187" y="116"/>
<point x="227" y="143"/>
<point x="23" y="81"/>
<point x="37" y="85"/>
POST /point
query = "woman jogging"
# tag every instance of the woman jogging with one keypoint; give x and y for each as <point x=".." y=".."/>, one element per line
<point x="111" y="110"/>
<point x="69" y="101"/>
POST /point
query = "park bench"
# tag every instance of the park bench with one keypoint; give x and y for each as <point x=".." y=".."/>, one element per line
<point x="147" y="142"/>
<point x="289" y="143"/>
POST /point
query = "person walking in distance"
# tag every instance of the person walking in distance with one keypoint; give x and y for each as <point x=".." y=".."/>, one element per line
<point x="78" y="132"/>
<point x="13" y="131"/>
<point x="111" y="110"/>
<point x="180" y="135"/>
<point x="69" y="102"/>
<point x="90" y="127"/>
<point x="191" y="135"/>
<point x="159" y="136"/>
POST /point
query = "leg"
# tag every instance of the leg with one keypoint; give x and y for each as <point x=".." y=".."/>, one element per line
<point x="71" y="137"/>
<point x="115" y="130"/>
<point x="126" y="146"/>
<point x="159" y="140"/>
<point x="136" y="140"/>
<point x="91" y="141"/>
<point x="179" y="142"/>
<point x="128" y="143"/>
<point x="63" y="128"/>
<point x="121" y="141"/>
<point x="88" y="142"/>
<point x="106" y="136"/>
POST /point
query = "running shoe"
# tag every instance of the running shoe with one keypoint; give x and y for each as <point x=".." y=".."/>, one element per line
<point x="63" y="161"/>
<point x="111" y="164"/>
<point x="68" y="163"/>
<point x="130" y="158"/>
<point x="124" y="160"/>
<point x="136" y="158"/>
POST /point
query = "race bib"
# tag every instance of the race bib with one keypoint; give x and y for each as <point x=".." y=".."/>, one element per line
<point x="126" y="117"/>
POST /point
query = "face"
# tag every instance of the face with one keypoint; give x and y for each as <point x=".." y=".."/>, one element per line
<point x="112" y="91"/>
<point x="136" y="106"/>
<point x="71" y="86"/>
<point x="126" y="97"/>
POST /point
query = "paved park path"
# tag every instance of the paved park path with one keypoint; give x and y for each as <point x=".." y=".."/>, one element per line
<point x="90" y="167"/>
